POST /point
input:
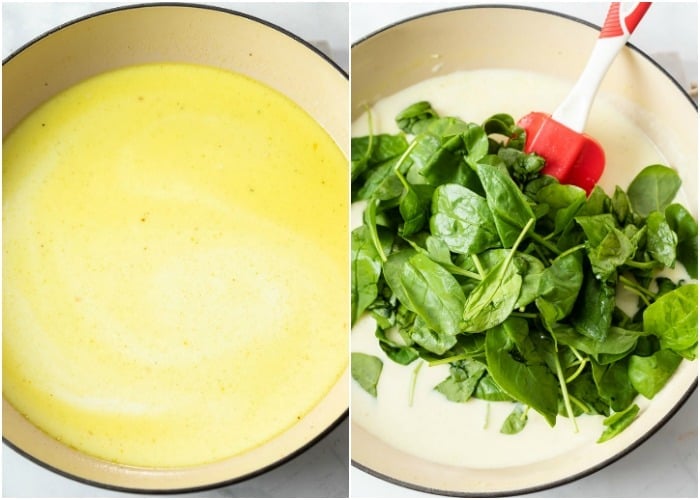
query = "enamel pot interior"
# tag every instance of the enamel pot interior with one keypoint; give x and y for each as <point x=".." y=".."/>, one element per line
<point x="442" y="42"/>
<point x="191" y="34"/>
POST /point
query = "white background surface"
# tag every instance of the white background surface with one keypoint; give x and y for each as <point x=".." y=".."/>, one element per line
<point x="321" y="471"/>
<point x="667" y="464"/>
<point x="664" y="466"/>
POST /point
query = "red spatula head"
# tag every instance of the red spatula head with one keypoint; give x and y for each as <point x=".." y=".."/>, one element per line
<point x="571" y="157"/>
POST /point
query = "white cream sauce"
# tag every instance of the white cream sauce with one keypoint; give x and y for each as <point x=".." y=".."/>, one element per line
<point x="426" y="424"/>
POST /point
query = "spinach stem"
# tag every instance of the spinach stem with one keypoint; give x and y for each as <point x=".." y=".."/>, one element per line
<point x="572" y="250"/>
<point x="565" y="392"/>
<point x="577" y="354"/>
<point x="578" y="403"/>
<point x="640" y="295"/>
<point x="522" y="234"/>
<point x="463" y="272"/>
<point x="371" y="210"/>
<point x="371" y="213"/>
<point x="477" y="264"/>
<point x="488" y="414"/>
<point x="449" y="359"/>
<point x="541" y="255"/>
<point x="638" y="290"/>
<point x="640" y="265"/>
<point x="524" y="315"/>
<point x="399" y="163"/>
<point x="636" y="287"/>
<point x="578" y="371"/>
<point x="512" y="251"/>
<point x="523" y="417"/>
<point x="543" y="242"/>
<point x="454" y="269"/>
<point x="414" y="378"/>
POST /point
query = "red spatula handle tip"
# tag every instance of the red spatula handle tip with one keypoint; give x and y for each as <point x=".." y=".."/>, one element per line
<point x="614" y="26"/>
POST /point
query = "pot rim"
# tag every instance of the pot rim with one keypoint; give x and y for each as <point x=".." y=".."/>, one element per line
<point x="570" y="17"/>
<point x="681" y="400"/>
<point x="343" y="416"/>
<point x="187" y="5"/>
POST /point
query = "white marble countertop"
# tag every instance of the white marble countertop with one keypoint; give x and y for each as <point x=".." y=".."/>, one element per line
<point x="320" y="471"/>
<point x="666" y="465"/>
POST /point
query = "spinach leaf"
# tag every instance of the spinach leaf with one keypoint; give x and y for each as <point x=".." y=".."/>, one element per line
<point x="402" y="355"/>
<point x="686" y="229"/>
<point x="598" y="203"/>
<point x="596" y="227"/>
<point x="414" y="208"/>
<point x="438" y="250"/>
<point x="476" y="143"/>
<point x="608" y="247"/>
<point x="617" y="341"/>
<point x="439" y="264"/>
<point x="392" y="270"/>
<point x="462" y="219"/>
<point x="404" y="322"/>
<point x="396" y="348"/>
<point x="533" y="187"/>
<point x="649" y="374"/>
<point x="618" y="422"/>
<point x="523" y="167"/>
<point x="613" y="384"/>
<point x="429" y="340"/>
<point x="621" y="208"/>
<point x="369" y="218"/>
<point x="407" y="118"/>
<point x="488" y="390"/>
<point x="494" y="298"/>
<point x="615" y="249"/>
<point x="369" y="151"/>
<point x="381" y="183"/>
<point x="460" y="385"/>
<point x="673" y="318"/>
<point x="467" y="347"/>
<point x="661" y="240"/>
<point x="501" y="124"/>
<point x="532" y="271"/>
<point x="593" y="313"/>
<point x="530" y="383"/>
<point x="559" y="287"/>
<point x="384" y="309"/>
<point x="585" y="392"/>
<point x="510" y="209"/>
<point x="438" y="155"/>
<point x="653" y="189"/>
<point x="516" y="420"/>
<point x="563" y="201"/>
<point x="665" y="285"/>
<point x="427" y="289"/>
<point x="366" y="270"/>
<point x="365" y="370"/>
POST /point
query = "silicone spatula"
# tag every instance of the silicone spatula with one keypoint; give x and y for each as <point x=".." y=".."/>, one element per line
<point x="570" y="155"/>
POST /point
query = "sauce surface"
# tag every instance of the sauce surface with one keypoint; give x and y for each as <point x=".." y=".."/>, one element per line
<point x="169" y="231"/>
<point x="417" y="419"/>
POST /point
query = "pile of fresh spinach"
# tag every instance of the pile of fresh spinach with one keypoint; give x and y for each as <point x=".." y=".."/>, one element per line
<point x="467" y="255"/>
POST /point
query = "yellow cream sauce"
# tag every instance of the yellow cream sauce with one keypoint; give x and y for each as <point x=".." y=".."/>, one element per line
<point x="175" y="265"/>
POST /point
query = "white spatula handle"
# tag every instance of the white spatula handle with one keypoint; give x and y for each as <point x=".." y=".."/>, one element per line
<point x="619" y="25"/>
